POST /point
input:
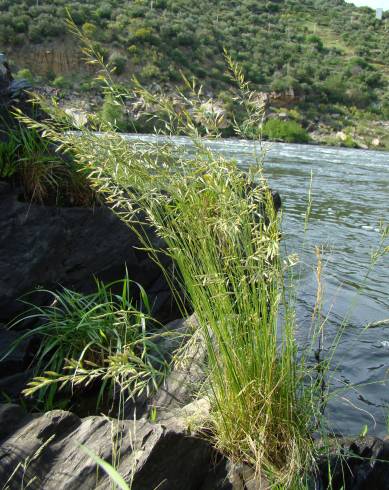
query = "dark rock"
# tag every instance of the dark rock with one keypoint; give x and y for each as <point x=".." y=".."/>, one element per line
<point x="13" y="94"/>
<point x="11" y="386"/>
<point x="276" y="200"/>
<point x="356" y="464"/>
<point x="43" y="246"/>
<point x="11" y="416"/>
<point x="151" y="455"/>
<point x="176" y="461"/>
<point x="17" y="359"/>
<point x="229" y="476"/>
<point x="14" y="362"/>
<point x="218" y="478"/>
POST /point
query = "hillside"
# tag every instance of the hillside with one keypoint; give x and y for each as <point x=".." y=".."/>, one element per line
<point x="319" y="57"/>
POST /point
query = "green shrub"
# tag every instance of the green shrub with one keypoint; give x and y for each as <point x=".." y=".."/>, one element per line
<point x="118" y="62"/>
<point x="150" y="71"/>
<point x="359" y="95"/>
<point x="289" y="131"/>
<point x="349" y="142"/>
<point x="61" y="82"/>
<point x="104" y="11"/>
<point x="283" y="84"/>
<point x="44" y="176"/>
<point x="178" y="56"/>
<point x="46" y="26"/>
<point x="112" y="112"/>
<point x="9" y="150"/>
<point x="334" y="87"/>
<point x="89" y="29"/>
<point x="143" y="34"/>
<point x="133" y="49"/>
<point x="32" y="162"/>
<point x="186" y="39"/>
<point x="21" y="24"/>
<point x="26" y="74"/>
<point x="316" y="41"/>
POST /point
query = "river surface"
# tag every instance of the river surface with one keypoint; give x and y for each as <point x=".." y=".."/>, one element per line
<point x="350" y="196"/>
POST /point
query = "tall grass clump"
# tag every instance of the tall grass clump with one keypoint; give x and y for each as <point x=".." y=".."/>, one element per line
<point x="222" y="231"/>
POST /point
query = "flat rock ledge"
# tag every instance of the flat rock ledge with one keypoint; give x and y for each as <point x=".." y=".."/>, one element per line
<point x="45" y="450"/>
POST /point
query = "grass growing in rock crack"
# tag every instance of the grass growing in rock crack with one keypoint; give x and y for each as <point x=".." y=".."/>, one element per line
<point x="98" y="337"/>
<point x="29" y="160"/>
<point x="223" y="234"/>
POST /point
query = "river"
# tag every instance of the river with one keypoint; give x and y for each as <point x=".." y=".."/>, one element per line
<point x="350" y="196"/>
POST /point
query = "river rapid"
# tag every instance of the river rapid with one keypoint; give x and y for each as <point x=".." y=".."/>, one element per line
<point x="350" y="196"/>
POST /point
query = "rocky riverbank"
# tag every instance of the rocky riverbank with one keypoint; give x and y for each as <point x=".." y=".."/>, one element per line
<point x="160" y="438"/>
<point x="159" y="441"/>
<point x="330" y="127"/>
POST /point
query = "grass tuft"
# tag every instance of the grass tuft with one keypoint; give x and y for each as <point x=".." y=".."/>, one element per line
<point x="29" y="160"/>
<point x="100" y="337"/>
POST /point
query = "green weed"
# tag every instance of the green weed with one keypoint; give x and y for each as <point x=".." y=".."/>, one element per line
<point x="100" y="337"/>
<point x="223" y="233"/>
<point x="31" y="161"/>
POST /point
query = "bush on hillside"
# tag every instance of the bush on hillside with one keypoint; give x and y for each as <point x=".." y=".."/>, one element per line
<point x="118" y="62"/>
<point x="150" y="71"/>
<point x="61" y="82"/>
<point x="299" y="45"/>
<point x="112" y="113"/>
<point x="24" y="74"/>
<point x="289" y="131"/>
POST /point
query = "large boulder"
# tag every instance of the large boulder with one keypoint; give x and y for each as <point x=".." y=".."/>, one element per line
<point x="47" y="246"/>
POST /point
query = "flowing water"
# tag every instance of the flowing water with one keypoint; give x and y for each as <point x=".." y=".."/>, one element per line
<point x="350" y="196"/>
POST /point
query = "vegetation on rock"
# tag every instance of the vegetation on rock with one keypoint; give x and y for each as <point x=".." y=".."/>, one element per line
<point x="87" y="339"/>
<point x="223" y="234"/>
<point x="29" y="160"/>
<point x="289" y="131"/>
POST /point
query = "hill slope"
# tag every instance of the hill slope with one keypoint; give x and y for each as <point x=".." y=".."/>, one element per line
<point x="319" y="51"/>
